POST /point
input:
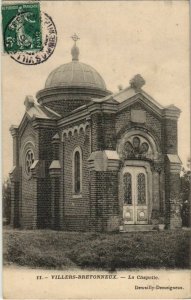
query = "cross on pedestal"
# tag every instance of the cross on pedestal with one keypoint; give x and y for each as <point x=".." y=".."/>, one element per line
<point x="75" y="37"/>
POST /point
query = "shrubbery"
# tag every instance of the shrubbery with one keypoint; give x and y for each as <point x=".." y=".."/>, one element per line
<point x="50" y="249"/>
<point x="6" y="193"/>
<point x="186" y="198"/>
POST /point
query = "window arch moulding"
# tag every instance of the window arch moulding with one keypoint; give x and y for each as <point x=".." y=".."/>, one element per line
<point x="137" y="144"/>
<point x="77" y="172"/>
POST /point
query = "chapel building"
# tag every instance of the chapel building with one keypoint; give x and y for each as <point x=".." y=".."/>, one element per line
<point x="85" y="159"/>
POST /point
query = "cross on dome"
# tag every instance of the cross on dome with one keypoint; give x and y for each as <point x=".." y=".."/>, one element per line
<point x="75" y="37"/>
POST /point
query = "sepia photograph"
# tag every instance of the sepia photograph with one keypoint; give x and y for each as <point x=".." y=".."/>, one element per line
<point x="96" y="164"/>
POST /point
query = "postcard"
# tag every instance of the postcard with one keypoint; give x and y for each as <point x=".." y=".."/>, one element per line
<point x="96" y="149"/>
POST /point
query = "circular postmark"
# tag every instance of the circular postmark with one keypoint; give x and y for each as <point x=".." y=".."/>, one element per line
<point x="35" y="50"/>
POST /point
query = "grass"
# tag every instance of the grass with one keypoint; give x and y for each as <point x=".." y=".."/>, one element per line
<point x="64" y="250"/>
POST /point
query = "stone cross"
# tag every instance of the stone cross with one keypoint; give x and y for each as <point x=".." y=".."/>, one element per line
<point x="75" y="37"/>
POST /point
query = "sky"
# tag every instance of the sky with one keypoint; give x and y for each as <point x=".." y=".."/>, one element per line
<point x="119" y="39"/>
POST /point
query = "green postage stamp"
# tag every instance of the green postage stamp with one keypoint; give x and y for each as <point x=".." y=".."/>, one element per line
<point x="29" y="35"/>
<point x="21" y="24"/>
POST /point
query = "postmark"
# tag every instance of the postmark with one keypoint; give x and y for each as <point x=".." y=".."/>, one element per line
<point x="30" y="36"/>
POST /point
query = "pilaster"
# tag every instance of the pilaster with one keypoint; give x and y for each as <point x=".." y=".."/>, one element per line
<point x="55" y="175"/>
<point x="173" y="199"/>
<point x="15" y="199"/>
<point x="104" y="206"/>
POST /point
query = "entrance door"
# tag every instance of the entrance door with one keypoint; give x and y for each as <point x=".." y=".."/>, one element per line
<point x="135" y="201"/>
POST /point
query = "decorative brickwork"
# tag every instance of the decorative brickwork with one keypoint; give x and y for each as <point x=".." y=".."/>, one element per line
<point x="153" y="124"/>
<point x="64" y="107"/>
<point x="76" y="207"/>
<point x="15" y="218"/>
<point x="104" y="206"/>
<point x="170" y="136"/>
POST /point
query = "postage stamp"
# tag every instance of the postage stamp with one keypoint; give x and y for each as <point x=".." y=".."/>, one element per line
<point x="22" y="27"/>
<point x="29" y="35"/>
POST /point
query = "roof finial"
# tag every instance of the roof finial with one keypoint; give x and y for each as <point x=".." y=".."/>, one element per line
<point x="75" y="37"/>
<point x="137" y="82"/>
<point x="75" y="50"/>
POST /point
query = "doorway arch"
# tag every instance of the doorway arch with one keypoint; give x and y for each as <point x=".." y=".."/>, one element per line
<point x="137" y="151"/>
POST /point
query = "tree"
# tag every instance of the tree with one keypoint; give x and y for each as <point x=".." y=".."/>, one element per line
<point x="186" y="196"/>
<point x="7" y="201"/>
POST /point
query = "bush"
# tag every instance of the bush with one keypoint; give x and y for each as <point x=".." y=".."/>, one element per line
<point x="6" y="193"/>
<point x="186" y="197"/>
<point x="58" y="250"/>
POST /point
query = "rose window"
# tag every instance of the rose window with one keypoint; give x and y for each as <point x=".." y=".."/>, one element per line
<point x="29" y="159"/>
<point x="136" y="148"/>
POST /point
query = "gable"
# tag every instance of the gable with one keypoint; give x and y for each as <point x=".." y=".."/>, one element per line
<point x="25" y="122"/>
<point x="27" y="131"/>
<point x="138" y="114"/>
<point x="145" y="101"/>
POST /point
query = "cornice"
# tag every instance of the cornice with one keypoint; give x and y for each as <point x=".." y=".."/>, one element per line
<point x="43" y="123"/>
<point x="171" y="113"/>
<point x="76" y="128"/>
<point x="68" y="92"/>
<point x="77" y="116"/>
<point x="103" y="107"/>
<point x="14" y="129"/>
<point x="89" y="110"/>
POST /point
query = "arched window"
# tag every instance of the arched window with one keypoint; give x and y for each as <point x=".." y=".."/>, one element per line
<point x="29" y="159"/>
<point x="77" y="171"/>
<point x="127" y="183"/>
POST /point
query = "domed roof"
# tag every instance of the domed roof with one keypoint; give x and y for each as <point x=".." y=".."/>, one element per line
<point x="75" y="74"/>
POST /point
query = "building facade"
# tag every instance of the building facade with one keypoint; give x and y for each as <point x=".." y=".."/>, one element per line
<point x="85" y="159"/>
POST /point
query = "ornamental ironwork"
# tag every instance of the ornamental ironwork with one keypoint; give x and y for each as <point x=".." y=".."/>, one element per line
<point x="141" y="188"/>
<point x="127" y="183"/>
<point x="29" y="159"/>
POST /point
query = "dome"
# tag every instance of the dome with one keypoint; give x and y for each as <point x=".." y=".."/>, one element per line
<point x="75" y="74"/>
<point x="72" y="85"/>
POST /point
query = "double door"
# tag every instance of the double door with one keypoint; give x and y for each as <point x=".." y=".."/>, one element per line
<point x="135" y="196"/>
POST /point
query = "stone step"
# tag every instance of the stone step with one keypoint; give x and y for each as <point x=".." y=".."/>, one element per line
<point x="131" y="228"/>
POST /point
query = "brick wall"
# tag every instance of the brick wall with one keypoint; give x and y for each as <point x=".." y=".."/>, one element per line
<point x="56" y="202"/>
<point x="15" y="205"/>
<point x="44" y="202"/>
<point x="64" y="107"/>
<point x="28" y="134"/>
<point x="153" y="123"/>
<point x="29" y="202"/>
<point x="36" y="192"/>
<point x="15" y="151"/>
<point x="109" y="131"/>
<point x="44" y="184"/>
<point x="28" y="186"/>
<point x="76" y="210"/>
<point x="45" y="144"/>
<point x="103" y="132"/>
<point x="170" y="136"/>
<point x="104" y="205"/>
<point x="97" y="132"/>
